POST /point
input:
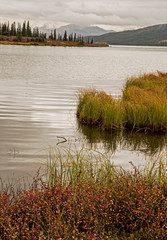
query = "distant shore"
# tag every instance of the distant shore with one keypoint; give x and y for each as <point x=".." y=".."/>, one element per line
<point x="55" y="43"/>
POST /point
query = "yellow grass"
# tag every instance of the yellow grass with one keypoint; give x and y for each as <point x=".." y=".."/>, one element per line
<point x="143" y="105"/>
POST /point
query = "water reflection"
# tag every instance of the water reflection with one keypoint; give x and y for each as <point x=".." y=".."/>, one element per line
<point x="38" y="101"/>
<point x="148" y="144"/>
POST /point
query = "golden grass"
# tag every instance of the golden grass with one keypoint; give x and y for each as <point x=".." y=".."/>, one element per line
<point x="98" y="108"/>
<point x="143" y="105"/>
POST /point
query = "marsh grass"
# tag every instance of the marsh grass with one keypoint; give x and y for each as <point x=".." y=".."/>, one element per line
<point x="72" y="165"/>
<point x="98" y="108"/>
<point x="143" y="106"/>
<point x="145" y="102"/>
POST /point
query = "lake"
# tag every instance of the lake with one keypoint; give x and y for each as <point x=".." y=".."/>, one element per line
<point x="38" y="99"/>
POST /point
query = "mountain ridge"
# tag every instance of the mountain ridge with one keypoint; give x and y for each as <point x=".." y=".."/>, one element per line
<point x="155" y="35"/>
<point x="78" y="29"/>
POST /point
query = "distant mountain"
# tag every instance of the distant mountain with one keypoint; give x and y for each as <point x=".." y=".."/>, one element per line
<point x="148" y="36"/>
<point x="82" y="30"/>
<point x="79" y="30"/>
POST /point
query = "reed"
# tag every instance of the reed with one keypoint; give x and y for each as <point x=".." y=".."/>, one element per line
<point x="70" y="166"/>
<point x="143" y="106"/>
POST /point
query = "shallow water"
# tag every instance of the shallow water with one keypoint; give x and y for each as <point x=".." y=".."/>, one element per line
<point x="38" y="97"/>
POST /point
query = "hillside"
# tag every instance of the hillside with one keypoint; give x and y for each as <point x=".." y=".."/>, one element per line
<point x="82" y="30"/>
<point x="148" y="36"/>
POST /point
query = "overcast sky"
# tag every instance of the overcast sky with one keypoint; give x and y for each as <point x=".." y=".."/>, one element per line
<point x="110" y="14"/>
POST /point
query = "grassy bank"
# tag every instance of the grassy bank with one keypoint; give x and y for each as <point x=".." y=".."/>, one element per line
<point x="54" y="43"/>
<point x="85" y="197"/>
<point x="143" y="105"/>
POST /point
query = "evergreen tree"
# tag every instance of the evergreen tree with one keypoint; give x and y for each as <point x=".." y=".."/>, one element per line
<point x="29" y="33"/>
<point x="51" y="35"/>
<point x="8" y="30"/>
<point x="35" y="32"/>
<point x="54" y="34"/>
<point x="71" y="37"/>
<point x="65" y="36"/>
<point x="75" y="37"/>
<point x="13" y="29"/>
<point x="24" y="31"/>
<point x="4" y="29"/>
<point x="19" y="30"/>
<point x="79" y="38"/>
<point x="59" y="37"/>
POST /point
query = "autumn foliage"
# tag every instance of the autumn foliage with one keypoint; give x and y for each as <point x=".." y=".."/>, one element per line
<point x="128" y="206"/>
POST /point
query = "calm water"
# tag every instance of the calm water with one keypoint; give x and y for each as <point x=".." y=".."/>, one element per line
<point x="38" y="97"/>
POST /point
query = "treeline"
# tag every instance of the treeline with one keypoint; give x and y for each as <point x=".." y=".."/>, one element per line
<point x="21" y="30"/>
<point x="24" y="32"/>
<point x="72" y="37"/>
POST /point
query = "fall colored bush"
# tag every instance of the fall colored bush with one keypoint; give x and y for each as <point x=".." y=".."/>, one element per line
<point x="127" y="206"/>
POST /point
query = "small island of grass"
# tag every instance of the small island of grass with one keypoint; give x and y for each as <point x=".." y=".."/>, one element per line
<point x="142" y="107"/>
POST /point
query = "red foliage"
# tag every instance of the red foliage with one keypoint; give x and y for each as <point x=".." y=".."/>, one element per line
<point x="90" y="211"/>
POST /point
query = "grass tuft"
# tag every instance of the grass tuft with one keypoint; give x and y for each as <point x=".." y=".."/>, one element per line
<point x="143" y="106"/>
<point x="98" y="108"/>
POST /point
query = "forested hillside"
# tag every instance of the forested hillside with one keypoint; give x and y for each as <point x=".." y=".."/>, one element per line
<point x="149" y="36"/>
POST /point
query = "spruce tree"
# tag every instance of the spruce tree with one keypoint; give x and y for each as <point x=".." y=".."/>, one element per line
<point x="71" y="37"/>
<point x="51" y="35"/>
<point x="8" y="30"/>
<point x="75" y="37"/>
<point x="4" y="29"/>
<point x="65" y="36"/>
<point x="54" y="35"/>
<point x="24" y="32"/>
<point x="13" y="29"/>
<point x="59" y="37"/>
<point x="29" y="33"/>
<point x="19" y="30"/>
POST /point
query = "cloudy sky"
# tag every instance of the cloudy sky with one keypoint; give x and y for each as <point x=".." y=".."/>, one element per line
<point x="110" y="14"/>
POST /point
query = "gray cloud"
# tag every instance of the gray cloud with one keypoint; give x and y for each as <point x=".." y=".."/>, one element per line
<point x="117" y="14"/>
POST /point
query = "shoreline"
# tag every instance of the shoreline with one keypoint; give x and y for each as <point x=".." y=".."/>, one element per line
<point x="54" y="44"/>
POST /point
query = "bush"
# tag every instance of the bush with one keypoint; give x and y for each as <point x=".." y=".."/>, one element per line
<point x="111" y="204"/>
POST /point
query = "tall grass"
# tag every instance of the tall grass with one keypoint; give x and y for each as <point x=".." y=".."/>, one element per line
<point x="70" y="166"/>
<point x="98" y="108"/>
<point x="143" y="105"/>
<point x="145" y="102"/>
